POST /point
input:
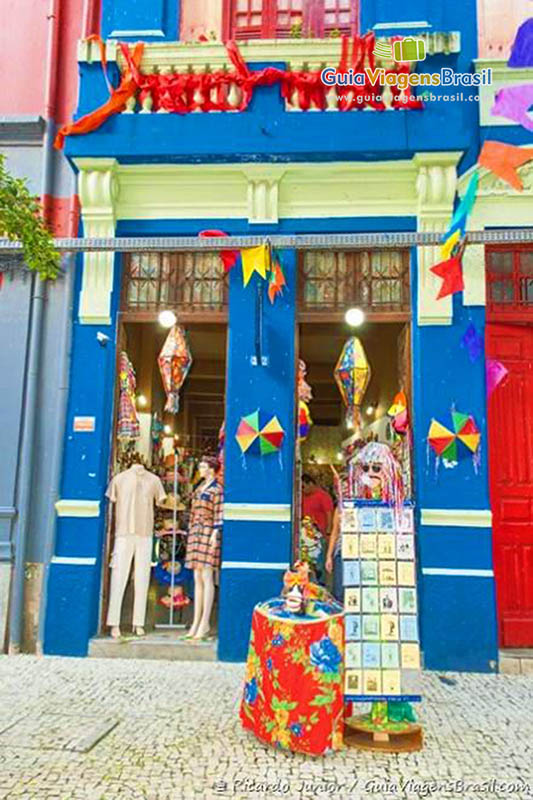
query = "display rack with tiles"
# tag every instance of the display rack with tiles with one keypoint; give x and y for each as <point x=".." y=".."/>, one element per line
<point x="380" y="602"/>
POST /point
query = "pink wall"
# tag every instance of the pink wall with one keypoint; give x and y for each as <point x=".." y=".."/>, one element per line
<point x="200" y="17"/>
<point x="498" y="21"/>
<point x="23" y="54"/>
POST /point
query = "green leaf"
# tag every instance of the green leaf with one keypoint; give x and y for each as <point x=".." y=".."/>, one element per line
<point x="322" y="700"/>
<point x="21" y="220"/>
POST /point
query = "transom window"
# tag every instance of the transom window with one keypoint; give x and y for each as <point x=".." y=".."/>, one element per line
<point x="279" y="19"/>
<point x="376" y="280"/>
<point x="509" y="276"/>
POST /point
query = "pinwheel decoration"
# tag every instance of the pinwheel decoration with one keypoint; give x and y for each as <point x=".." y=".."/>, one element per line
<point x="174" y="364"/>
<point x="352" y="375"/>
<point x="451" y="444"/>
<point x="260" y="433"/>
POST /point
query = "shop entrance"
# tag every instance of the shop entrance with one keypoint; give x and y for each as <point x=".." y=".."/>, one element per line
<point x="376" y="283"/>
<point x="171" y="446"/>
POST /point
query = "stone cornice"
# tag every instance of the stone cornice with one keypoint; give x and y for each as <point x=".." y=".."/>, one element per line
<point x="22" y="129"/>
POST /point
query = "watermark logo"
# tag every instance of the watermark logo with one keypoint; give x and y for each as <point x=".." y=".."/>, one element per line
<point x="407" y="49"/>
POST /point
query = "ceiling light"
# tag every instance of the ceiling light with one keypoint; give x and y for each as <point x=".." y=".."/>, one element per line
<point x="354" y="317"/>
<point x="168" y="430"/>
<point x="167" y="319"/>
<point x="142" y="401"/>
<point x="370" y="410"/>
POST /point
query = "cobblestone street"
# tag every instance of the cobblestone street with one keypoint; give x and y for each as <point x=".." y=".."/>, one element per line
<point x="145" y="730"/>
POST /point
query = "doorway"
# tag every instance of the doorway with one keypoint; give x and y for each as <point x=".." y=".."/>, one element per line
<point x="509" y="340"/>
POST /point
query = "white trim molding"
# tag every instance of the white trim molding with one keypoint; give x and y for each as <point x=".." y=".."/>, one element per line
<point x="257" y="512"/>
<point x="458" y="573"/>
<point x="456" y="517"/>
<point x="78" y="508"/>
<point x="502" y="76"/>
<point x="255" y="565"/>
<point x="423" y="188"/>
<point x="180" y="56"/>
<point x="73" y="561"/>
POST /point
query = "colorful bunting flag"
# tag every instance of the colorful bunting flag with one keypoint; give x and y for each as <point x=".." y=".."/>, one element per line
<point x="522" y="50"/>
<point x="504" y="159"/>
<point x="496" y="372"/>
<point x="276" y="280"/>
<point x="452" y="274"/>
<point x="514" y="102"/>
<point x="255" y="259"/>
<point x="472" y="342"/>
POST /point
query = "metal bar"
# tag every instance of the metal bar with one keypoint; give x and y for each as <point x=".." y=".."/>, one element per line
<point x="348" y="241"/>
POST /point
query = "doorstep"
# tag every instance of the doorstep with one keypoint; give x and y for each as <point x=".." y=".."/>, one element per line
<point x="516" y="661"/>
<point x="157" y="646"/>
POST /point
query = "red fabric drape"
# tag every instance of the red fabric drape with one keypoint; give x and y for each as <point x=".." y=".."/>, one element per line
<point x="182" y="93"/>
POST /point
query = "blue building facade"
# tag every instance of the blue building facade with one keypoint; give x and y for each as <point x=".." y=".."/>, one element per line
<point x="273" y="169"/>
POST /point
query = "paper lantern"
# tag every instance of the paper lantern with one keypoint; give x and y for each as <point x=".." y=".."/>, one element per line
<point x="304" y="420"/>
<point x="352" y="375"/>
<point x="174" y="364"/>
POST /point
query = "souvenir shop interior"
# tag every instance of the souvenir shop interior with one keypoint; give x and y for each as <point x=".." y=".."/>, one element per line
<point x="383" y="364"/>
<point x="159" y="371"/>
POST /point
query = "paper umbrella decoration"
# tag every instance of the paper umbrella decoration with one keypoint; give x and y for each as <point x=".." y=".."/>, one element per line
<point x="446" y="443"/>
<point x="174" y="364"/>
<point x="260" y="433"/>
<point x="352" y="375"/>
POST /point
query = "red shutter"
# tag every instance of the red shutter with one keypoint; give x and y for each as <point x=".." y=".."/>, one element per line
<point x="271" y="19"/>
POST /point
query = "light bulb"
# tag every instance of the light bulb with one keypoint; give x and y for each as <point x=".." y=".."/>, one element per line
<point x="142" y="401"/>
<point x="339" y="456"/>
<point x="167" y="319"/>
<point x="370" y="410"/>
<point x="168" y="430"/>
<point x="354" y="317"/>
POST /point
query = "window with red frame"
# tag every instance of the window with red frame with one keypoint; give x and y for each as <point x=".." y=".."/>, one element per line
<point x="509" y="275"/>
<point x="281" y="19"/>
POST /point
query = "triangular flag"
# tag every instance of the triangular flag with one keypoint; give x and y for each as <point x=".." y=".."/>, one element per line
<point x="459" y="420"/>
<point x="514" y="102"/>
<point x="504" y="159"/>
<point x="471" y="440"/>
<point x="522" y="50"/>
<point x="452" y="274"/>
<point x="254" y="259"/>
<point x="277" y="281"/>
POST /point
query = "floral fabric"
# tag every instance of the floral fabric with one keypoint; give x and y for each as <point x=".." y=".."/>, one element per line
<point x="293" y="692"/>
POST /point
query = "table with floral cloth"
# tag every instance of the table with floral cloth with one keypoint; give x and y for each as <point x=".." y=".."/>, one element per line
<point x="293" y="693"/>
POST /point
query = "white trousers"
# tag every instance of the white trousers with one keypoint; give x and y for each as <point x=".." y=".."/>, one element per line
<point x="126" y="547"/>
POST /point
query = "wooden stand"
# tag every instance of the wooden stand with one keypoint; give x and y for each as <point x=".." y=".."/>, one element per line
<point x="399" y="738"/>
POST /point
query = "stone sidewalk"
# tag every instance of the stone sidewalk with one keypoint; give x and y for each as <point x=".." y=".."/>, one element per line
<point x="146" y="730"/>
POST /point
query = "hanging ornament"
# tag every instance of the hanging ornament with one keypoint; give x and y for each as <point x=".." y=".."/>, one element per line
<point x="304" y="420"/>
<point x="276" y="280"/>
<point x="398" y="412"/>
<point x="451" y="445"/>
<point x="352" y="375"/>
<point x="472" y="342"/>
<point x="128" y="422"/>
<point x="255" y="259"/>
<point x="305" y="392"/>
<point x="174" y="364"/>
<point x="451" y="272"/>
<point x="496" y="372"/>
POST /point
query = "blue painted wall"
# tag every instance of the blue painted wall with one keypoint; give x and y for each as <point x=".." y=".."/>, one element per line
<point x="74" y="590"/>
<point x="151" y="21"/>
<point x="252" y="478"/>
<point x="457" y="613"/>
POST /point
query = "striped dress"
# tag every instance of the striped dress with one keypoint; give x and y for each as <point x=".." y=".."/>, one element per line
<point x="207" y="509"/>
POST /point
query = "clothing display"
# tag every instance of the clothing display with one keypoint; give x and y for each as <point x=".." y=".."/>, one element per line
<point x="127" y="548"/>
<point x="207" y="509"/>
<point x="134" y="492"/>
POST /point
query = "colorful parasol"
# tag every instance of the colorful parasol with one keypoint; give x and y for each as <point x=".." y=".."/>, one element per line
<point x="174" y="364"/>
<point x="260" y="433"/>
<point x="352" y="375"/>
<point x="128" y="422"/>
<point x="304" y="420"/>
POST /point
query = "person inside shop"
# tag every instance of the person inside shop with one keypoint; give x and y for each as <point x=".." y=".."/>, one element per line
<point x="318" y="506"/>
<point x="333" y="556"/>
<point x="204" y="544"/>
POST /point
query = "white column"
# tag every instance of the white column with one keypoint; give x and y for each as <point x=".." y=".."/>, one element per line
<point x="98" y="192"/>
<point x="435" y="187"/>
